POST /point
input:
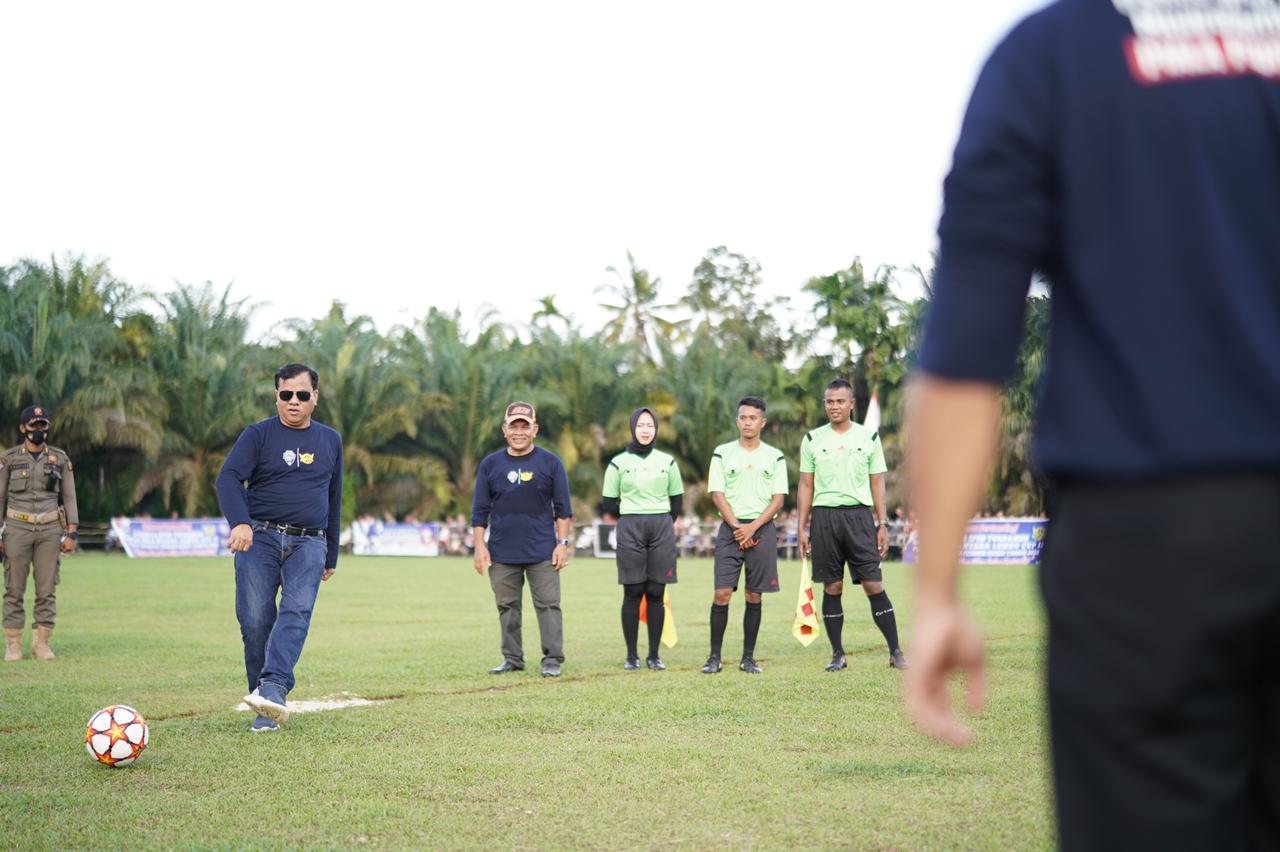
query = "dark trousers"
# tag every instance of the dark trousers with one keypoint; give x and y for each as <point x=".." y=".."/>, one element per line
<point x="1163" y="600"/>
<point x="507" y="582"/>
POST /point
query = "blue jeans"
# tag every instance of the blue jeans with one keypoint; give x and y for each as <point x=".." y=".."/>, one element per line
<point x="291" y="565"/>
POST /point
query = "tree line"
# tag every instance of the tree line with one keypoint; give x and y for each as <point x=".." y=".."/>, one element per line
<point x="150" y="390"/>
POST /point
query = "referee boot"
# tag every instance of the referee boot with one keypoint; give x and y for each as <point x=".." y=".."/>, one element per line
<point x="632" y="664"/>
<point x="712" y="665"/>
<point x="656" y="664"/>
<point x="837" y="663"/>
<point x="749" y="665"/>
<point x="898" y="660"/>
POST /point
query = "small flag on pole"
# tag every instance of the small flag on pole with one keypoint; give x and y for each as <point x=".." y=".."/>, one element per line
<point x="872" y="420"/>
<point x="805" y="627"/>
<point x="669" y="637"/>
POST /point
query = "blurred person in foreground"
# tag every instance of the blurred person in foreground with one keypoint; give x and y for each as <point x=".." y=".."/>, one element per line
<point x="522" y="499"/>
<point x="1131" y="150"/>
<point x="281" y="491"/>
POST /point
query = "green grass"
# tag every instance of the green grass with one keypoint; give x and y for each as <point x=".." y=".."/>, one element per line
<point x="600" y="758"/>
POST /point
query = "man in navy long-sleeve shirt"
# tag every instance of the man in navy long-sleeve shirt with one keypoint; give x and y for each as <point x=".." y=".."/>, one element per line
<point x="522" y="497"/>
<point x="1130" y="149"/>
<point x="281" y="491"/>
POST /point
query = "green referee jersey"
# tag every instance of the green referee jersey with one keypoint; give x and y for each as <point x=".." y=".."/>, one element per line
<point x="644" y="485"/>
<point x="842" y="464"/>
<point x="747" y="478"/>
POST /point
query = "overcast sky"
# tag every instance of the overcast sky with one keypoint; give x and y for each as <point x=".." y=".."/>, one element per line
<point x="399" y="156"/>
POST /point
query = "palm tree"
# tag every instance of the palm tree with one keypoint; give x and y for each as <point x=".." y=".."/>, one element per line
<point x="864" y="313"/>
<point x="725" y="291"/>
<point x="464" y="387"/>
<point x="701" y="388"/>
<point x="202" y="358"/>
<point x="369" y="395"/>
<point x="634" y="310"/>
<point x="583" y="392"/>
<point x="62" y="343"/>
<point x="1014" y="484"/>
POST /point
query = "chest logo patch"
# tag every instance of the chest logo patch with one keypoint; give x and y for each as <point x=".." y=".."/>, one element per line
<point x="289" y="457"/>
<point x="307" y="458"/>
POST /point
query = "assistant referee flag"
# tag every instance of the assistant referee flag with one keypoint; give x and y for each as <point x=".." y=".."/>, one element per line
<point x="669" y="637"/>
<point x="805" y="627"/>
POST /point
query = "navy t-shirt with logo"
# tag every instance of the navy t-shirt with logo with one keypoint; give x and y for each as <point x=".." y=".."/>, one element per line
<point x="1130" y="149"/>
<point x="519" y="498"/>
<point x="294" y="477"/>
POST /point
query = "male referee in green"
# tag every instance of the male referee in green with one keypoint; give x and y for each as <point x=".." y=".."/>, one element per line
<point x="842" y="481"/>
<point x="747" y="481"/>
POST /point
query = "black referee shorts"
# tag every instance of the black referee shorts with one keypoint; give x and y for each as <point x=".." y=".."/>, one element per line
<point x="840" y="535"/>
<point x="1164" y="662"/>
<point x="761" y="561"/>
<point x="646" y="549"/>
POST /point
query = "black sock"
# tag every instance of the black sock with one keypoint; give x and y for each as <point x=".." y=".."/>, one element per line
<point x="750" y="629"/>
<point x="631" y="617"/>
<point x="719" y="621"/>
<point x="655" y="614"/>
<point x="833" y="618"/>
<point x="882" y="612"/>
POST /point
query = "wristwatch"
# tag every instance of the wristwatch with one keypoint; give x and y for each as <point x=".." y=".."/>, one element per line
<point x="563" y="541"/>
<point x="884" y="523"/>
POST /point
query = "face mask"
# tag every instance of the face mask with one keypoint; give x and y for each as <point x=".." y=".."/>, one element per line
<point x="38" y="436"/>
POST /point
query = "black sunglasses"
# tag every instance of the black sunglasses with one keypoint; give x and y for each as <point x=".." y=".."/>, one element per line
<point x="286" y="395"/>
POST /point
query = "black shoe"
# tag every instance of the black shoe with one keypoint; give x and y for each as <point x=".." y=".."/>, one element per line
<point x="837" y="663"/>
<point x="898" y="660"/>
<point x="507" y="666"/>
<point x="750" y="666"/>
<point x="550" y="668"/>
<point x="712" y="665"/>
<point x="656" y="664"/>
<point x="632" y="664"/>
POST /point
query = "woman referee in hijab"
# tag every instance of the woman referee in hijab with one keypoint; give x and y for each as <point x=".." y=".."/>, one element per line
<point x="643" y="489"/>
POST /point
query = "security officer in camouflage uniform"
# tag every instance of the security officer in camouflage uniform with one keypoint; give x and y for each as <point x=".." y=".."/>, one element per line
<point x="38" y="495"/>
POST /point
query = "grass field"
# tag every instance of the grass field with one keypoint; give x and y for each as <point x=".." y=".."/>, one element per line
<point x="600" y="758"/>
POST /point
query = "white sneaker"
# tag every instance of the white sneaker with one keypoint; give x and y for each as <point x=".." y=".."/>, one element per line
<point x="274" y="710"/>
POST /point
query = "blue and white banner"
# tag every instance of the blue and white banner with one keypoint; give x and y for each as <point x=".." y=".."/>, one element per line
<point x="996" y="541"/>
<point x="172" y="536"/>
<point x="382" y="539"/>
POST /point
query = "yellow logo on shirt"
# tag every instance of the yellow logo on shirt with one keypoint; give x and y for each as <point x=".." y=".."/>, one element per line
<point x="307" y="458"/>
<point x="526" y="475"/>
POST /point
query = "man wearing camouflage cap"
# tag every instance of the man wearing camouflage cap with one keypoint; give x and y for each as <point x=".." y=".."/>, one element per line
<point x="38" y="495"/>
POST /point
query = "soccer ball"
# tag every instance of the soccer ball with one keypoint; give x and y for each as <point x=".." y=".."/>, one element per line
<point x="116" y="735"/>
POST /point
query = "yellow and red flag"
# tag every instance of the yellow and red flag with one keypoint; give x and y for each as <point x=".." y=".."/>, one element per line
<point x="669" y="637"/>
<point x="805" y="627"/>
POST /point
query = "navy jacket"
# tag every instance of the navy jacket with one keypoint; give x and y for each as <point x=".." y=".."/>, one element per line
<point x="1136" y="160"/>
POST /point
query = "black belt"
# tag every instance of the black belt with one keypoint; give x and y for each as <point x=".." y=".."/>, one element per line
<point x="852" y="506"/>
<point x="290" y="529"/>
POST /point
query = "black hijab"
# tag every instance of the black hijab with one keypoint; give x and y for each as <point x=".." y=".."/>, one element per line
<point x="635" y="447"/>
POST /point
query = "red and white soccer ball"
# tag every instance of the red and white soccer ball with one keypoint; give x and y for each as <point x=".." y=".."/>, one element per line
<point x="116" y="735"/>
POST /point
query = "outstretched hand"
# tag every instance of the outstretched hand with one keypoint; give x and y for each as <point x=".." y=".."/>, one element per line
<point x="945" y="640"/>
